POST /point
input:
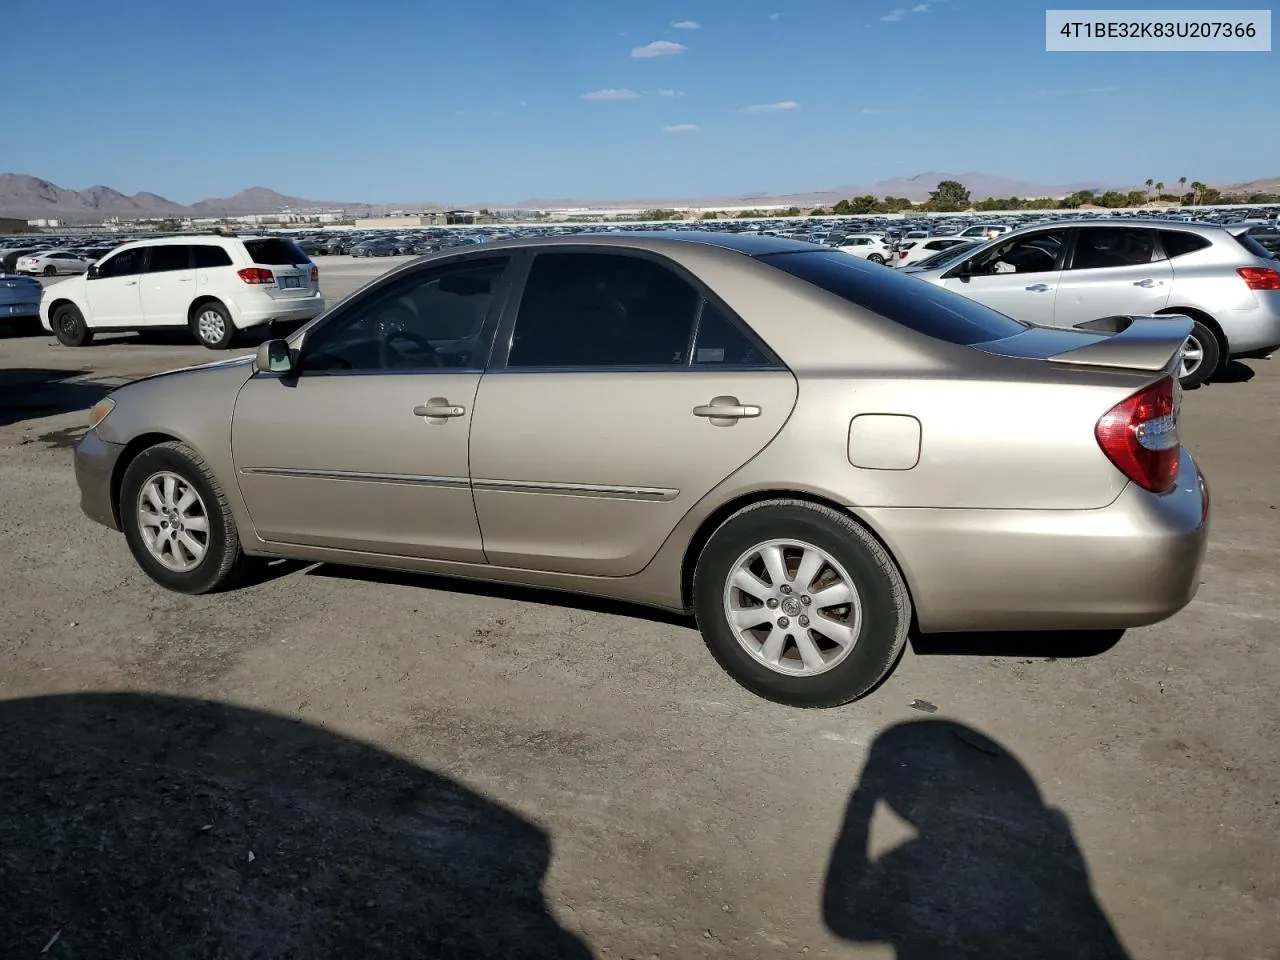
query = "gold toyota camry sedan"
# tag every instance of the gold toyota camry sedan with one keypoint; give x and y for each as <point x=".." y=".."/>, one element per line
<point x="809" y="453"/>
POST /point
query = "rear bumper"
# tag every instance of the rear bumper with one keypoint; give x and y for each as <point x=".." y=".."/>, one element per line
<point x="95" y="465"/>
<point x="19" y="310"/>
<point x="1132" y="563"/>
<point x="1254" y="332"/>
<point x="259" y="312"/>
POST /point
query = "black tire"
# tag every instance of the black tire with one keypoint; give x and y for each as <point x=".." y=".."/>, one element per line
<point x="876" y="258"/>
<point x="1210" y="356"/>
<point x="886" y="605"/>
<point x="51" y="271"/>
<point x="69" y="326"/>
<point x="228" y="329"/>
<point x="223" y="560"/>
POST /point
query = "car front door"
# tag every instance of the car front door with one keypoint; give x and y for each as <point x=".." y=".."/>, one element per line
<point x="1113" y="271"/>
<point x="168" y="286"/>
<point x="365" y="448"/>
<point x="596" y="428"/>
<point x="1018" y="276"/>
<point x="112" y="291"/>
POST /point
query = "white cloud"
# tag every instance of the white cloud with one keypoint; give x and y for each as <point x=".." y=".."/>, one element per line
<point x="894" y="15"/>
<point x="775" y="16"/>
<point x="778" y="107"/>
<point x="686" y="25"/>
<point x="920" y="8"/>
<point x="659" y="48"/>
<point x="670" y="93"/>
<point x="611" y="94"/>
<point x="680" y="128"/>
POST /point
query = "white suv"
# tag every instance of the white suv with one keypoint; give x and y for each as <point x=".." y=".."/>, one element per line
<point x="214" y="286"/>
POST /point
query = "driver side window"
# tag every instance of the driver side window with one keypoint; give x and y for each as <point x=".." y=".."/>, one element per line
<point x="1035" y="253"/>
<point x="431" y="319"/>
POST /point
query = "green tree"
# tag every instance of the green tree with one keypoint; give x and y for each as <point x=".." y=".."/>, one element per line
<point x="950" y="195"/>
<point x="1150" y="183"/>
<point x="792" y="212"/>
<point x="1135" y="198"/>
<point x="818" y="212"/>
<point x="1159" y="188"/>
<point x="710" y="215"/>
<point x="1182" y="186"/>
<point x="1197" y="189"/>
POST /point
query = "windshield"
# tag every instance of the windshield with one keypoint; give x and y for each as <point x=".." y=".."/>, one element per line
<point x="921" y="306"/>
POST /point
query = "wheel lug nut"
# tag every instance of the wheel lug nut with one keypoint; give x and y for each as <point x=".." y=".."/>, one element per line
<point x="784" y="622"/>
<point x="786" y="590"/>
<point x="804" y="621"/>
<point x="772" y="603"/>
<point x="806" y="600"/>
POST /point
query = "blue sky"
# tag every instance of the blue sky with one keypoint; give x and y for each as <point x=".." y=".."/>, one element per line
<point x="461" y="102"/>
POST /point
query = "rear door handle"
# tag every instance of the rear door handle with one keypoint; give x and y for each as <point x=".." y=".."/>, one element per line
<point x="1039" y="288"/>
<point x="130" y="283"/>
<point x="1144" y="283"/>
<point x="726" y="408"/>
<point x="438" y="407"/>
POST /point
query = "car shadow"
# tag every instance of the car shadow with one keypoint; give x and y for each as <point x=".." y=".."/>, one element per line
<point x="1035" y="644"/>
<point x="29" y="394"/>
<point x="1234" y="372"/>
<point x="142" y="825"/>
<point x="991" y="872"/>
<point x="503" y="591"/>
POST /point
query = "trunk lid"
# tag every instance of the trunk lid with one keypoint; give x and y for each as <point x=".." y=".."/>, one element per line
<point x="1148" y="344"/>
<point x="289" y="264"/>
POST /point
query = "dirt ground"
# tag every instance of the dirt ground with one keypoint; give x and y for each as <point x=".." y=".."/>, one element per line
<point x="341" y="763"/>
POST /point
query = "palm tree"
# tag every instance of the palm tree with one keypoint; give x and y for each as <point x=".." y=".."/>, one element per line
<point x="1182" y="188"/>
<point x="1197" y="188"/>
<point x="1159" y="188"/>
<point x="1149" y="183"/>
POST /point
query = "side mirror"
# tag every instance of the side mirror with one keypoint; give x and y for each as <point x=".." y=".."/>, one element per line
<point x="275" y="357"/>
<point x="963" y="269"/>
<point x="92" y="272"/>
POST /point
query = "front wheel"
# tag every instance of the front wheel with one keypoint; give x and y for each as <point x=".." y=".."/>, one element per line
<point x="1201" y="354"/>
<point x="211" y="324"/>
<point x="51" y="271"/>
<point x="177" y="521"/>
<point x="800" y="604"/>
<point x="69" y="326"/>
<point x="876" y="258"/>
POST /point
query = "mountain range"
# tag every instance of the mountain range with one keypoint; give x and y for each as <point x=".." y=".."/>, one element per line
<point x="28" y="197"/>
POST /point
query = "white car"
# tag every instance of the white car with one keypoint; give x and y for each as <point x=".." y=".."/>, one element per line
<point x="868" y="246"/>
<point x="214" y="286"/>
<point x="50" y="263"/>
<point x="985" y="231"/>
<point x="913" y="251"/>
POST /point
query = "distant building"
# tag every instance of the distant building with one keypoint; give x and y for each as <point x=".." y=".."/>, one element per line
<point x="394" y="223"/>
<point x="12" y="225"/>
<point x="42" y="223"/>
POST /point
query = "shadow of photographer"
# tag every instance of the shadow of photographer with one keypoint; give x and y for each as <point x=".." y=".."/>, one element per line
<point x="991" y="872"/>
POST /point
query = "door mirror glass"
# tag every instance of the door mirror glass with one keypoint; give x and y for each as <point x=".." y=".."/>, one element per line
<point x="274" y="357"/>
<point x="92" y="272"/>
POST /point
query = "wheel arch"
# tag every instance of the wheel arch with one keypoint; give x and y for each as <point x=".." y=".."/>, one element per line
<point x="1208" y="321"/>
<point x="203" y="299"/>
<point x="58" y="304"/>
<point x="717" y="517"/>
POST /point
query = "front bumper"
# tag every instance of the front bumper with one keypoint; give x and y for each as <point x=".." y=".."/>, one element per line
<point x="95" y="466"/>
<point x="1129" y="564"/>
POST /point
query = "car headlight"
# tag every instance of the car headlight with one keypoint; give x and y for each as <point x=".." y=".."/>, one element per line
<point x="99" y="411"/>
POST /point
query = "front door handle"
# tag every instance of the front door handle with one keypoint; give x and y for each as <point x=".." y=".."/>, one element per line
<point x="724" y="411"/>
<point x="130" y="283"/>
<point x="1039" y="288"/>
<point x="438" y="408"/>
<point x="1148" y="283"/>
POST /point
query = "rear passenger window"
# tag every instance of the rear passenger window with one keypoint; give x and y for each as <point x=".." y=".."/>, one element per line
<point x="1101" y="247"/>
<point x="1176" y="243"/>
<point x="210" y="256"/>
<point x="720" y="342"/>
<point x="173" y="256"/>
<point x="603" y="310"/>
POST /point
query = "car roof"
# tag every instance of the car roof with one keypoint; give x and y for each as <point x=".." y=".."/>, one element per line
<point x="750" y="245"/>
<point x="1154" y="223"/>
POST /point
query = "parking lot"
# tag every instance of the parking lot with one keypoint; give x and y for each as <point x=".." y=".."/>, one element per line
<point x="599" y="751"/>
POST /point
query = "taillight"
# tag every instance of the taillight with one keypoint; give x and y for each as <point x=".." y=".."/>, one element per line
<point x="1260" y="278"/>
<point x="256" y="275"/>
<point x="315" y="273"/>
<point x="1140" y="435"/>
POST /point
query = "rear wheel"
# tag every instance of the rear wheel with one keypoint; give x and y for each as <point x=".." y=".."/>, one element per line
<point x="1201" y="354"/>
<point x="211" y="324"/>
<point x="51" y="271"/>
<point x="799" y="604"/>
<point x="69" y="326"/>
<point x="177" y="521"/>
<point x="875" y="258"/>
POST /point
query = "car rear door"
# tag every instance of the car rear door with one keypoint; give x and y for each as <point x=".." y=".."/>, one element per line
<point x="295" y="275"/>
<point x="596" y="427"/>
<point x="1019" y="276"/>
<point x="1112" y="271"/>
<point x="112" y="291"/>
<point x="168" y="285"/>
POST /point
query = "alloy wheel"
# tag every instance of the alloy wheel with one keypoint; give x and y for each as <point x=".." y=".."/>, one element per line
<point x="173" y="521"/>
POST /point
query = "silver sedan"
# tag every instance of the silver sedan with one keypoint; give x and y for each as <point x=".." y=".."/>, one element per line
<point x="52" y="263"/>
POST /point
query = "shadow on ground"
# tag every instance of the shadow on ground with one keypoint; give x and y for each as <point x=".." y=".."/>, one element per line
<point x="29" y="394"/>
<point x="1234" y="372"/>
<point x="147" y="826"/>
<point x="991" y="872"/>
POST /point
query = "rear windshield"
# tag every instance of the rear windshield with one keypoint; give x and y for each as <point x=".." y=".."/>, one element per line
<point x="1250" y="243"/>
<point x="917" y="304"/>
<point x="276" y="252"/>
